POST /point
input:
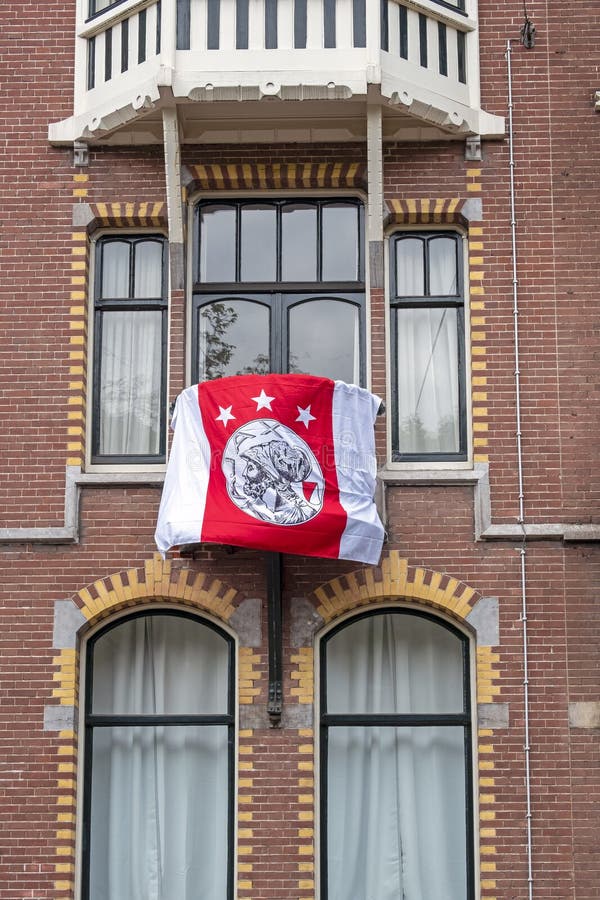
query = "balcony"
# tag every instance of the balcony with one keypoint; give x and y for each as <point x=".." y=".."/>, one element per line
<point x="417" y="59"/>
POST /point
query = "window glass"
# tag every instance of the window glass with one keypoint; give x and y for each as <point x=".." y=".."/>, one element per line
<point x="217" y="243"/>
<point x="115" y="269"/>
<point x="130" y="382"/>
<point x="280" y="246"/>
<point x="427" y="380"/>
<point x="148" y="269"/>
<point x="299" y="243"/>
<point x="233" y="339"/>
<point x="158" y="789"/>
<point x="130" y="331"/>
<point x="443" y="274"/>
<point x="159" y="812"/>
<point x="324" y="339"/>
<point x="99" y="5"/>
<point x="340" y="242"/>
<point x="396" y="813"/>
<point x="259" y="243"/>
<point x="395" y="733"/>
<point x="410" y="652"/>
<point x="128" y="659"/>
<point x="410" y="267"/>
<point x="427" y="318"/>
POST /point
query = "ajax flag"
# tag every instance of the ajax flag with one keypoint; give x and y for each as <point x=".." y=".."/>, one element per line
<point x="284" y="463"/>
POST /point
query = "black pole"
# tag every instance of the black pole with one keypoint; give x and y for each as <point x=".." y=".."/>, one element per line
<point x="275" y="636"/>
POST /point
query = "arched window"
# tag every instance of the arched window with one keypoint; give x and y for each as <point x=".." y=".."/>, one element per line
<point x="159" y="737"/>
<point x="396" y="760"/>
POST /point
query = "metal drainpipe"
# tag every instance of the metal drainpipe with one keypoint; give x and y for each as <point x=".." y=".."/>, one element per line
<point x="521" y="519"/>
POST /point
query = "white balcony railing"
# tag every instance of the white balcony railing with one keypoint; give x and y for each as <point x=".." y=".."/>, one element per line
<point x="422" y="54"/>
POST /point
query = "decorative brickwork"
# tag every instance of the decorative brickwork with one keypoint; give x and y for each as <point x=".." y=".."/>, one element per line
<point x="426" y="211"/>
<point x="277" y="176"/>
<point x="159" y="580"/>
<point x="78" y="357"/>
<point x="478" y="345"/>
<point x="135" y="214"/>
<point x="394" y="579"/>
<point x="306" y="814"/>
<point x="302" y="675"/>
<point x="64" y="867"/>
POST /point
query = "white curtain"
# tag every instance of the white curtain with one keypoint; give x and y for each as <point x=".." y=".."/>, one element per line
<point x="131" y="353"/>
<point x="396" y="795"/>
<point x="159" y="804"/>
<point x="427" y="351"/>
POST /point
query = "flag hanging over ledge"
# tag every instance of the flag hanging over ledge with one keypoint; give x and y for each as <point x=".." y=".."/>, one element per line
<point x="284" y="463"/>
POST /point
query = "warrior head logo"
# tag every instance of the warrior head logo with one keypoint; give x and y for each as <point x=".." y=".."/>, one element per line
<point x="272" y="474"/>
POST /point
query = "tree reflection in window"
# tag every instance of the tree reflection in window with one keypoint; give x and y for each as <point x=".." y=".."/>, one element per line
<point x="279" y="288"/>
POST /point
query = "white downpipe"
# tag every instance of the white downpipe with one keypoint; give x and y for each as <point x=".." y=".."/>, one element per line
<point x="521" y="519"/>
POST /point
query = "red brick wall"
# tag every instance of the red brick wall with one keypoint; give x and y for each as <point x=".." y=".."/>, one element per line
<point x="557" y="198"/>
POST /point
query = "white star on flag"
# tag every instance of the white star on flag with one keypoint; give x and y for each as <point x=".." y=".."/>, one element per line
<point x="224" y="415"/>
<point x="305" y="416"/>
<point x="263" y="401"/>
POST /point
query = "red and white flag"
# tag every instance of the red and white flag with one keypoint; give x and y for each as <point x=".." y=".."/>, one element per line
<point x="275" y="462"/>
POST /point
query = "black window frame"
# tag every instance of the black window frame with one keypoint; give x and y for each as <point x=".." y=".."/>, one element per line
<point x="279" y="296"/>
<point x="93" y="12"/>
<point x="107" y="304"/>
<point x="429" y="301"/>
<point x="91" y="721"/>
<point x="463" y="719"/>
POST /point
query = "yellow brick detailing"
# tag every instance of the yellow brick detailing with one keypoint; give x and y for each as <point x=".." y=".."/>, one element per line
<point x="245" y="832"/>
<point x="487" y="688"/>
<point x="306" y="799"/>
<point x="134" y="214"/>
<point x="425" y="211"/>
<point x="302" y="675"/>
<point x="393" y="580"/>
<point x="478" y="335"/>
<point x="160" y="580"/>
<point x="75" y="446"/>
<point x="66" y="677"/>
<point x="64" y="851"/>
<point x="488" y="676"/>
<point x="248" y="676"/>
<point x="277" y="176"/>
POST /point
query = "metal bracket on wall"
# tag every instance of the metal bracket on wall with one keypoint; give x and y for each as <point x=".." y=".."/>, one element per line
<point x="473" y="147"/>
<point x="81" y="154"/>
<point x="275" y="636"/>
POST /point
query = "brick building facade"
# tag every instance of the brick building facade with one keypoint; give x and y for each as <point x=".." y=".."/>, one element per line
<point x="492" y="532"/>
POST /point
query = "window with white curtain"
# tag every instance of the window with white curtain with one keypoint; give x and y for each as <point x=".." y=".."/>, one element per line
<point x="279" y="287"/>
<point x="159" y="738"/>
<point x="396" y="782"/>
<point x="428" y="347"/>
<point x="129" y="369"/>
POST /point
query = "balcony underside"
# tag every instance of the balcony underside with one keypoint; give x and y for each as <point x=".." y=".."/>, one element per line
<point x="272" y="113"/>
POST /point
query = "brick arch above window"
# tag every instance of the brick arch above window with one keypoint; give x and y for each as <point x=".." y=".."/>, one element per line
<point x="132" y="214"/>
<point x="277" y="176"/>
<point x="427" y="211"/>
<point x="394" y="579"/>
<point x="160" y="581"/>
